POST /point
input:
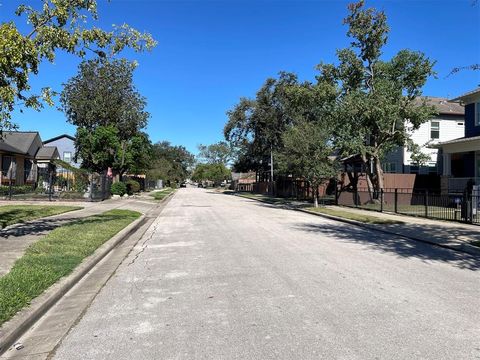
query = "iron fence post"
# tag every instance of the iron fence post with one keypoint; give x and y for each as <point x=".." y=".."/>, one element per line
<point x="396" y="201"/>
<point x="336" y="192"/>
<point x="381" y="200"/>
<point x="426" y="203"/>
<point x="50" y="180"/>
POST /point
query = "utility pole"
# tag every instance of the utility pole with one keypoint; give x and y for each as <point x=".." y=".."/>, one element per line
<point x="271" y="170"/>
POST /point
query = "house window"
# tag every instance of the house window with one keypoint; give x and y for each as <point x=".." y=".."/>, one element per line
<point x="29" y="171"/>
<point x="67" y="156"/>
<point x="9" y="168"/>
<point x="434" y="130"/>
<point x="477" y="113"/>
<point x="390" y="167"/>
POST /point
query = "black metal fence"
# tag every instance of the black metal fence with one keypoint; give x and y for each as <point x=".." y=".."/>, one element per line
<point x="454" y="207"/>
<point x="58" y="185"/>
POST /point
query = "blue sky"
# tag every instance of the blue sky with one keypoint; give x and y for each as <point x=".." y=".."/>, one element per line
<point x="210" y="53"/>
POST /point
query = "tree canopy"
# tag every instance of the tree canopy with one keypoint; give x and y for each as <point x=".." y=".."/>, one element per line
<point x="361" y="105"/>
<point x="36" y="36"/>
<point x="217" y="153"/>
<point x="378" y="98"/>
<point x="109" y="113"/>
<point x="170" y="163"/>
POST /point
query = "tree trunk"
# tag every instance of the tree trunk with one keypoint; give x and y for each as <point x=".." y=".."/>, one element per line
<point x="369" y="176"/>
<point x="379" y="174"/>
<point x="315" y="194"/>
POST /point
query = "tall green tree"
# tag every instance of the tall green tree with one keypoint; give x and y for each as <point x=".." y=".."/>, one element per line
<point x="255" y="126"/>
<point x="308" y="151"/>
<point x="38" y="32"/>
<point x="170" y="163"/>
<point x="377" y="99"/>
<point x="216" y="172"/>
<point x="102" y="100"/>
<point x="217" y="153"/>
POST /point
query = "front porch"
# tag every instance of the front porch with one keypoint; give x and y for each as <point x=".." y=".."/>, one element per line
<point x="461" y="165"/>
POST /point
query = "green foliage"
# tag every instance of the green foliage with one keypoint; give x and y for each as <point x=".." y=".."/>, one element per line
<point x="109" y="113"/>
<point x="218" y="153"/>
<point x="417" y="157"/>
<point x="307" y="152"/>
<point x="162" y="194"/>
<point x="132" y="187"/>
<point x="16" y="189"/>
<point x="80" y="183"/>
<point x="211" y="172"/>
<point x="56" y="255"/>
<point x="172" y="164"/>
<point x="377" y="96"/>
<point x="97" y="148"/>
<point x="118" y="188"/>
<point x="255" y="126"/>
<point x="53" y="26"/>
<point x="12" y="214"/>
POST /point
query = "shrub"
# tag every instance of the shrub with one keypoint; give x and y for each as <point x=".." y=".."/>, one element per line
<point x="16" y="189"/>
<point x="132" y="187"/>
<point x="118" y="188"/>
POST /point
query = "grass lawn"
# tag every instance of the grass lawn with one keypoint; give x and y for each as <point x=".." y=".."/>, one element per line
<point x="353" y="216"/>
<point x="12" y="214"/>
<point x="55" y="256"/>
<point x="162" y="194"/>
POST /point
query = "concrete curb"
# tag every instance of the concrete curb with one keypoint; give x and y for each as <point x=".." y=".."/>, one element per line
<point x="464" y="248"/>
<point x="23" y="320"/>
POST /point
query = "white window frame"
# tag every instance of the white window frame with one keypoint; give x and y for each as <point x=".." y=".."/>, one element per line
<point x="431" y="129"/>
<point x="71" y="155"/>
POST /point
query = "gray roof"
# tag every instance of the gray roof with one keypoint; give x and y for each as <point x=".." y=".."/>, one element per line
<point x="459" y="140"/>
<point x="59" y="137"/>
<point x="467" y="95"/>
<point x="20" y="142"/>
<point x="443" y="106"/>
<point x="47" y="153"/>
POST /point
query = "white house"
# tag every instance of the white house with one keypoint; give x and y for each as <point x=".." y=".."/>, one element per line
<point x="447" y="125"/>
<point x="461" y="156"/>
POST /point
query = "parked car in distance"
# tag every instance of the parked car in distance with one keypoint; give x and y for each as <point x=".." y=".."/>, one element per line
<point x="200" y="185"/>
<point x="183" y="185"/>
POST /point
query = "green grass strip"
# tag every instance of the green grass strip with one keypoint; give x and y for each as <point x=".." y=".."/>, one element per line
<point x="56" y="255"/>
<point x="162" y="194"/>
<point x="13" y="214"/>
<point x="354" y="216"/>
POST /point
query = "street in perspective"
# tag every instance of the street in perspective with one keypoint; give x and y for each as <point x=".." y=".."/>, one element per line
<point x="239" y="179"/>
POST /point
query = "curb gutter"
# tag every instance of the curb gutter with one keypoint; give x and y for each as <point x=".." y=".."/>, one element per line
<point x="457" y="246"/>
<point x="23" y="320"/>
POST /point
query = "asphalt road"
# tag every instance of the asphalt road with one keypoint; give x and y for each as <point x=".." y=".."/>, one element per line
<point x="222" y="277"/>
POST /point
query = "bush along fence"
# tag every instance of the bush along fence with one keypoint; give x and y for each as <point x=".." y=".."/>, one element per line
<point x="61" y="185"/>
<point x="454" y="207"/>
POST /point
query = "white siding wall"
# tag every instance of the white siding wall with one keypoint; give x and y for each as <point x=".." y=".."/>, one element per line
<point x="449" y="130"/>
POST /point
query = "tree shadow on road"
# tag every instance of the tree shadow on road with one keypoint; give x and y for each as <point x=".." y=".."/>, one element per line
<point x="395" y="244"/>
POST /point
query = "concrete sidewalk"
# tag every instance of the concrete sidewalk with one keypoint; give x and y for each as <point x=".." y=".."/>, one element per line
<point x="448" y="234"/>
<point x="15" y="239"/>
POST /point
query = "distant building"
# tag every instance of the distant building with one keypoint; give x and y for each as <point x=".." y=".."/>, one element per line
<point x="447" y="125"/>
<point x="23" y="158"/>
<point x="66" y="148"/>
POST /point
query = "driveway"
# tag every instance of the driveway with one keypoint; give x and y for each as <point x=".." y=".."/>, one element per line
<point x="222" y="277"/>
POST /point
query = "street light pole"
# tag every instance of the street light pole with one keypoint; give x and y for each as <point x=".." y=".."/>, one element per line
<point x="271" y="170"/>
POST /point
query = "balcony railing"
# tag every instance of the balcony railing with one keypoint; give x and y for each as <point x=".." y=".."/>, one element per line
<point x="459" y="185"/>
